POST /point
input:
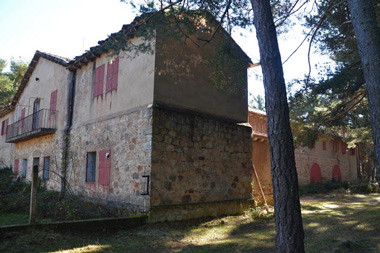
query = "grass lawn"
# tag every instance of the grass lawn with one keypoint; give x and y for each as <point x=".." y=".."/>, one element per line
<point x="14" y="218"/>
<point x="332" y="222"/>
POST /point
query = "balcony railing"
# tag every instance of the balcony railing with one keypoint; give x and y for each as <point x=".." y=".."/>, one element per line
<point x="37" y="124"/>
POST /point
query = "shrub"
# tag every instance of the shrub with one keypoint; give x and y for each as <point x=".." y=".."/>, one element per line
<point x="51" y="206"/>
<point x="324" y="187"/>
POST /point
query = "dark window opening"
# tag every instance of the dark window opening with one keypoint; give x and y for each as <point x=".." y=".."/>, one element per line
<point x="46" y="167"/>
<point x="90" y="171"/>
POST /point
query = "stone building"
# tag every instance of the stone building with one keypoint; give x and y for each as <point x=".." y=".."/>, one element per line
<point x="152" y="131"/>
<point x="329" y="159"/>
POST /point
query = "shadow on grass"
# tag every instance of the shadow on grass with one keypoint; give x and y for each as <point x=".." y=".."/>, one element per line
<point x="226" y="234"/>
<point x="345" y="225"/>
<point x="331" y="225"/>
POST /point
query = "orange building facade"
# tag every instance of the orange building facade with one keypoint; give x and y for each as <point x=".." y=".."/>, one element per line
<point x="329" y="159"/>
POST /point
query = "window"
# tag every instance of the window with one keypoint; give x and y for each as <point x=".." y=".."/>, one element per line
<point x="112" y="75"/>
<point x="352" y="151"/>
<point x="98" y="81"/>
<point x="46" y="167"/>
<point x="24" y="166"/>
<point x="4" y="127"/>
<point x="53" y="102"/>
<point x="104" y="167"/>
<point x="343" y="146"/>
<point x="90" y="171"/>
<point x="16" y="167"/>
<point x="335" y="146"/>
<point x="324" y="145"/>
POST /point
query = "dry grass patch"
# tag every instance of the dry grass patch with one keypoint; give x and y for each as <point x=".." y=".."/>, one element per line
<point x="333" y="223"/>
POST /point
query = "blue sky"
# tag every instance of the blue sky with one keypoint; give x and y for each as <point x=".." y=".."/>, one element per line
<point x="67" y="27"/>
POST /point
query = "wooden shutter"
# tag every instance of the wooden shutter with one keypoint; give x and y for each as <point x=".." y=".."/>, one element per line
<point x="112" y="75"/>
<point x="115" y="73"/>
<point x="324" y="145"/>
<point x="16" y="167"/>
<point x="5" y="126"/>
<point x="22" y="118"/>
<point x="53" y="102"/>
<point x="343" y="146"/>
<point x="109" y="78"/>
<point x="101" y="80"/>
<point x="98" y="82"/>
<point x="104" y="167"/>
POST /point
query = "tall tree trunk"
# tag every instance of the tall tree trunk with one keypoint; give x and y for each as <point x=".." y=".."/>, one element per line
<point x="289" y="229"/>
<point x="367" y="35"/>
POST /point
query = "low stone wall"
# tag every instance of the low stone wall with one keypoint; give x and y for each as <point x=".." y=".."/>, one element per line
<point x="198" y="210"/>
<point x="91" y="225"/>
<point x="196" y="159"/>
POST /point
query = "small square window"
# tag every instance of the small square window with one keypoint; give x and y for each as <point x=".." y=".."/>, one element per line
<point x="46" y="167"/>
<point x="90" y="171"/>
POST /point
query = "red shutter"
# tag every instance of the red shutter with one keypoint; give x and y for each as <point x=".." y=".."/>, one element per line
<point x="22" y="118"/>
<point x="104" y="167"/>
<point x="109" y="78"/>
<point x="115" y="73"/>
<point x="53" y="102"/>
<point x="343" y="148"/>
<point x="324" y="145"/>
<point x="98" y="82"/>
<point x="16" y="167"/>
<point x="112" y="75"/>
<point x="352" y="151"/>
<point x="101" y="80"/>
<point x="4" y="127"/>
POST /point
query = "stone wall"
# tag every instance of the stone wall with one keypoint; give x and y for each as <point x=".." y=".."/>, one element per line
<point x="198" y="160"/>
<point x="39" y="148"/>
<point x="6" y="155"/>
<point x="128" y="137"/>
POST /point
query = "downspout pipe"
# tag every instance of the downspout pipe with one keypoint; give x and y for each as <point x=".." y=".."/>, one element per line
<point x="66" y="135"/>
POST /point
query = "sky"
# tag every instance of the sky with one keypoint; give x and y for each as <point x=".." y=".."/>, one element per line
<point x="68" y="27"/>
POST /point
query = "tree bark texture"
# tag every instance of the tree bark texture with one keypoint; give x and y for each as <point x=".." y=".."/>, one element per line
<point x="367" y="34"/>
<point x="289" y="228"/>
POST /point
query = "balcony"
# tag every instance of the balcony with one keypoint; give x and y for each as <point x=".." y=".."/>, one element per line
<point x="38" y="124"/>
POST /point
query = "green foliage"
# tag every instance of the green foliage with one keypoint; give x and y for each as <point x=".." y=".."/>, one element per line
<point x="15" y="199"/>
<point x="338" y="99"/>
<point x="15" y="196"/>
<point x="9" y="81"/>
<point x="345" y="187"/>
<point x="324" y="187"/>
<point x="366" y="188"/>
<point x="256" y="102"/>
